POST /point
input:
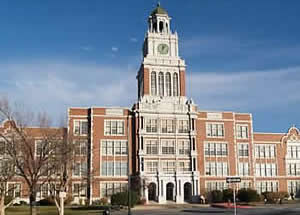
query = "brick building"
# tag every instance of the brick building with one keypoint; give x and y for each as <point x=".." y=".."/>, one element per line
<point x="175" y="151"/>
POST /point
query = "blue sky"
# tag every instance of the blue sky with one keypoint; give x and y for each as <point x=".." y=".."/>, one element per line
<point x="241" y="55"/>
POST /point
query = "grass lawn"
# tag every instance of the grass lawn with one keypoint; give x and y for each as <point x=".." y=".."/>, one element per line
<point x="51" y="210"/>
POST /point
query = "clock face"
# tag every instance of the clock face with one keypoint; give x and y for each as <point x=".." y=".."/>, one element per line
<point x="163" y="48"/>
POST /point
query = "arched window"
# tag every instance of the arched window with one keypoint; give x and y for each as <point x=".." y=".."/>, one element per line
<point x="161" y="84"/>
<point x="161" y="26"/>
<point x="153" y="84"/>
<point x="154" y="27"/>
<point x="175" y="84"/>
<point x="168" y="84"/>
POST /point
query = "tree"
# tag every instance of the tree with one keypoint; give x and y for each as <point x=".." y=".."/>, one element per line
<point x="31" y="149"/>
<point x="7" y="172"/>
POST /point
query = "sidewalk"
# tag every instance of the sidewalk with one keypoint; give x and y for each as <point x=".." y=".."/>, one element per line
<point x="166" y="206"/>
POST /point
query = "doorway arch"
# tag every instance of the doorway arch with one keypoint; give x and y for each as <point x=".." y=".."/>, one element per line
<point x="152" y="192"/>
<point x="187" y="192"/>
<point x="170" y="191"/>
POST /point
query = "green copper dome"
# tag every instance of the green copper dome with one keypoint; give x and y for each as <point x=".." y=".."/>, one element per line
<point x="159" y="10"/>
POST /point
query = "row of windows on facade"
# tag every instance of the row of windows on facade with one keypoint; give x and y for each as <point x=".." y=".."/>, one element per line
<point x="261" y="186"/>
<point x="116" y="127"/>
<point x="44" y="190"/>
<point x="111" y="127"/>
<point x="168" y="147"/>
<point x="163" y="85"/>
<point x="167" y="125"/>
<point x="167" y="166"/>
<point x="293" y="168"/>
<point x="293" y="151"/>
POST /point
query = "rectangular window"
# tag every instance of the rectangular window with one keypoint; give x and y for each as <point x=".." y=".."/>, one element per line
<point x="114" y="147"/>
<point x="265" y="150"/>
<point x="80" y="147"/>
<point x="243" y="149"/>
<point x="151" y="147"/>
<point x="215" y="185"/>
<point x="184" y="166"/>
<point x="242" y="131"/>
<point x="79" y="190"/>
<point x="151" y="166"/>
<point x="168" y="147"/>
<point x="244" y="169"/>
<point x="293" y="168"/>
<point x="293" y="151"/>
<point x="80" y="127"/>
<point x="184" y="147"/>
<point x="183" y="126"/>
<point x="151" y="125"/>
<point x="266" y="169"/>
<point x="114" y="127"/>
<point x="216" y="168"/>
<point x="107" y="168"/>
<point x="214" y="130"/>
<point x="266" y="186"/>
<point x="294" y="187"/>
<point x="108" y="189"/>
<point x="168" y="126"/>
<point x="80" y="169"/>
<point x="215" y="149"/>
<point x="168" y="166"/>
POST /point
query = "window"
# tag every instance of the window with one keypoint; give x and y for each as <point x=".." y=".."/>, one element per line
<point x="153" y="84"/>
<point x="80" y="127"/>
<point x="266" y="186"/>
<point x="120" y="168"/>
<point x="183" y="126"/>
<point x="114" y="127"/>
<point x="293" y="151"/>
<point x="245" y="184"/>
<point x="168" y="84"/>
<point x="161" y="84"/>
<point x="168" y="126"/>
<point x="80" y="147"/>
<point x="294" y="187"/>
<point x="151" y="166"/>
<point x="151" y="125"/>
<point x="215" y="185"/>
<point x="184" y="147"/>
<point x="107" y="168"/>
<point x="184" y="166"/>
<point x="243" y="149"/>
<point x="151" y="147"/>
<point x="79" y="190"/>
<point x="80" y="169"/>
<point x="168" y="147"/>
<point x="293" y="168"/>
<point x="214" y="130"/>
<point x="244" y="169"/>
<point x="42" y="148"/>
<point x="215" y="149"/>
<point x="14" y="190"/>
<point x="265" y="150"/>
<point x="175" y="84"/>
<point x="242" y="131"/>
<point x="216" y="168"/>
<point x="266" y="169"/>
<point x="168" y="166"/>
<point x="108" y="189"/>
<point x="120" y="147"/>
<point x="2" y="148"/>
<point x="107" y="147"/>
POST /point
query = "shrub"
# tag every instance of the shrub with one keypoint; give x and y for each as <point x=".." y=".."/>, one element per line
<point x="103" y="201"/>
<point x="248" y="195"/>
<point x="122" y="198"/>
<point x="227" y="195"/>
<point x="142" y="201"/>
<point x="274" y="197"/>
<point x="216" y="196"/>
<point x="46" y="202"/>
<point x="8" y="199"/>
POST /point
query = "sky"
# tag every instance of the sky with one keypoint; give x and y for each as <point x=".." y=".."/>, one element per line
<point x="241" y="56"/>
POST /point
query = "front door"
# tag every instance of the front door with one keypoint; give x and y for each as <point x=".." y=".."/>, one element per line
<point x="170" y="192"/>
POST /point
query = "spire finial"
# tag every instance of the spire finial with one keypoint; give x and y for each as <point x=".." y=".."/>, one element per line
<point x="158" y="4"/>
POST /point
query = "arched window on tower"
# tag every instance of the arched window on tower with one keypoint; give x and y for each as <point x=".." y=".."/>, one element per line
<point x="168" y="84"/>
<point x="161" y="26"/>
<point x="161" y="84"/>
<point x="153" y="84"/>
<point x="154" y="27"/>
<point x="167" y="28"/>
<point x="175" y="84"/>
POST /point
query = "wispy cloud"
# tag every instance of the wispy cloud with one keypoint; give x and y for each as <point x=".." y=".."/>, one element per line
<point x="246" y="91"/>
<point x="115" y="49"/>
<point x="86" y="48"/>
<point x="133" y="39"/>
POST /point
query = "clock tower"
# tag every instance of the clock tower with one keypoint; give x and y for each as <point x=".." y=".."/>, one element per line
<point x="162" y="74"/>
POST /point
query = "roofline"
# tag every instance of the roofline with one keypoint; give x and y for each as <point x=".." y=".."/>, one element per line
<point x="100" y="107"/>
<point x="267" y="133"/>
<point x="220" y="111"/>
